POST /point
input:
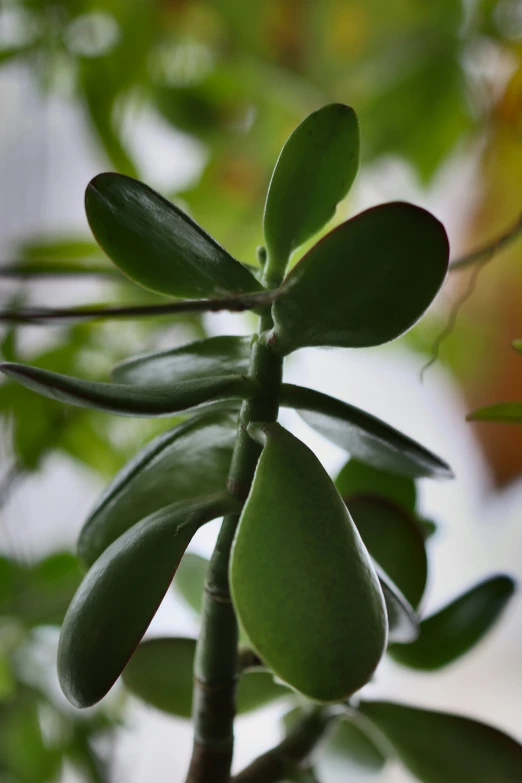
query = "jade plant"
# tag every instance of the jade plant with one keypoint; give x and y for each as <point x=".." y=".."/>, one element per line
<point x="312" y="581"/>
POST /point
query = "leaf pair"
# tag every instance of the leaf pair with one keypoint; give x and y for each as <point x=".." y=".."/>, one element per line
<point x="365" y="283"/>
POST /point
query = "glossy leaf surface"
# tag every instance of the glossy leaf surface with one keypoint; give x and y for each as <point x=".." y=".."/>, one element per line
<point x="395" y="540"/>
<point x="302" y="582"/>
<point x="437" y="747"/>
<point x="361" y="478"/>
<point x="127" y="399"/>
<point x="190" y="460"/>
<point x="159" y="246"/>
<point x="456" y="629"/>
<point x="349" y="745"/>
<point x="403" y="623"/>
<point x="198" y="360"/>
<point x="365" y="283"/>
<point x="508" y="412"/>
<point x="366" y="437"/>
<point x="161" y="673"/>
<point x="122" y="592"/>
<point x="315" y="170"/>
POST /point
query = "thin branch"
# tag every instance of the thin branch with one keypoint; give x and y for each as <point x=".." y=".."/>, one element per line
<point x="486" y="253"/>
<point x="33" y="271"/>
<point x="44" y="315"/>
<point x="291" y="753"/>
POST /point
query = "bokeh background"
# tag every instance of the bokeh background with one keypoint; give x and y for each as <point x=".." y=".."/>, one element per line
<point x="197" y="98"/>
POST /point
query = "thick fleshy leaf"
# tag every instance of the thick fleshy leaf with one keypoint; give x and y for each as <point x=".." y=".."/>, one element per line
<point x="508" y="412"/>
<point x="159" y="246"/>
<point x="190" y="460"/>
<point x="302" y="583"/>
<point x="122" y="592"/>
<point x="364" y="436"/>
<point x="127" y="399"/>
<point x="437" y="747"/>
<point x="358" y="478"/>
<point x="403" y="623"/>
<point x="315" y="170"/>
<point x="365" y="283"/>
<point x="351" y="747"/>
<point x="198" y="360"/>
<point x="190" y="580"/>
<point x="395" y="540"/>
<point x="456" y="628"/>
<point x="161" y="673"/>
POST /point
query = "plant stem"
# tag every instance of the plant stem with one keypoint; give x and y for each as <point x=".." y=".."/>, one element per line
<point x="217" y="665"/>
<point x="278" y="763"/>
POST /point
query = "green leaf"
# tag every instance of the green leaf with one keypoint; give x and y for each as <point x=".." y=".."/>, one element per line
<point x="49" y="587"/>
<point x="58" y="249"/>
<point x="190" y="460"/>
<point x="364" y="436"/>
<point x="438" y="747"/>
<point x="161" y="673"/>
<point x="25" y="751"/>
<point x="351" y="745"/>
<point x="456" y="628"/>
<point x="365" y="283"/>
<point x="508" y="412"/>
<point x="517" y="345"/>
<point x="403" y="623"/>
<point x="315" y="170"/>
<point x="190" y="580"/>
<point x="157" y="245"/>
<point x="302" y="583"/>
<point x="361" y="478"/>
<point x="395" y="540"/>
<point x="201" y="359"/>
<point x="126" y="399"/>
<point x="121" y="594"/>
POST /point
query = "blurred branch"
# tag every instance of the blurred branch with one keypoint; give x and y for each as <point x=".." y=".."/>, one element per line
<point x="486" y="253"/>
<point x="44" y="315"/>
<point x="276" y="764"/>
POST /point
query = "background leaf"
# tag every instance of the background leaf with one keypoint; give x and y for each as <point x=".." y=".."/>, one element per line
<point x="458" y="627"/>
<point x="440" y="748"/>
<point x="361" y="478"/>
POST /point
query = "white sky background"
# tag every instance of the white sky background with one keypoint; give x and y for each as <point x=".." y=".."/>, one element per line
<point x="46" y="159"/>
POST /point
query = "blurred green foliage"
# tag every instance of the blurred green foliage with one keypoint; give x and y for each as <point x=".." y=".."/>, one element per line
<point x="237" y="77"/>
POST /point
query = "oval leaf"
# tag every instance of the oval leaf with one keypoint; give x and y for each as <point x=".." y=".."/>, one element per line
<point x="395" y="540"/>
<point x="365" y="283"/>
<point x="403" y="623"/>
<point x="364" y="436"/>
<point x="353" y="747"/>
<point x="129" y="400"/>
<point x="122" y="592"/>
<point x="198" y="360"/>
<point x="315" y="170"/>
<point x="360" y="478"/>
<point x="441" y="748"/>
<point x="302" y="582"/>
<point x="157" y="245"/>
<point x="456" y="628"/>
<point x="190" y="460"/>
<point x="161" y="673"/>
